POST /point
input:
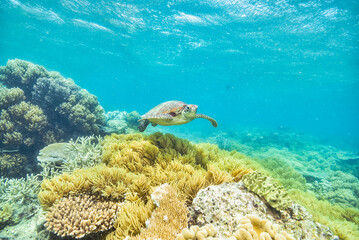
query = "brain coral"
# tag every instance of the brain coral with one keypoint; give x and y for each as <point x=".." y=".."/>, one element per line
<point x="264" y="186"/>
<point x="252" y="227"/>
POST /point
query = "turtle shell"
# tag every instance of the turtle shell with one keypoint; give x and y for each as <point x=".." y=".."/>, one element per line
<point x="170" y="107"/>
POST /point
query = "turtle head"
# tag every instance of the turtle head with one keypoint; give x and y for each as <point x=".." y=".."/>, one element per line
<point x="189" y="110"/>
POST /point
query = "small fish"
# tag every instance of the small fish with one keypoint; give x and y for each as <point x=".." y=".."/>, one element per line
<point x="7" y="151"/>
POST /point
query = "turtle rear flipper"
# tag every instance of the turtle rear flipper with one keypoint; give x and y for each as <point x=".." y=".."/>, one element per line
<point x="143" y="125"/>
<point x="214" y="122"/>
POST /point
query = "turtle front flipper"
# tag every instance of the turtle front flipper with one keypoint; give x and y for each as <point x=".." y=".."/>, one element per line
<point x="214" y="122"/>
<point x="143" y="125"/>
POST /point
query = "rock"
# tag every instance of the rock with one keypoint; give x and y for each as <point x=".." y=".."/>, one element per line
<point x="226" y="204"/>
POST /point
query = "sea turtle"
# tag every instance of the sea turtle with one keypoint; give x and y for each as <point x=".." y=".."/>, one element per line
<point x="172" y="113"/>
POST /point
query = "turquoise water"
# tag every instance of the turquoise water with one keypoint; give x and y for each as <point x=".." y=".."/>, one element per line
<point x="268" y="64"/>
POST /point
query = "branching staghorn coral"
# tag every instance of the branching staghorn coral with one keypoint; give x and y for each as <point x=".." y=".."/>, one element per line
<point x="57" y="158"/>
<point x="86" y="152"/>
<point x="77" y="216"/>
<point x="21" y="195"/>
<point x="19" y="191"/>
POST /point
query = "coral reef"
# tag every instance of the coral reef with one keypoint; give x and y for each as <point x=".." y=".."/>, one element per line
<point x="57" y="158"/>
<point x="338" y="188"/>
<point x="39" y="107"/>
<point x="22" y="74"/>
<point x="133" y="165"/>
<point x="132" y="119"/>
<point x="83" y="112"/>
<point x="81" y="215"/>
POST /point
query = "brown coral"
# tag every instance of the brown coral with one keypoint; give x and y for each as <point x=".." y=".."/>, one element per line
<point x="12" y="164"/>
<point x="77" y="216"/>
<point x="23" y="74"/>
<point x="170" y="217"/>
<point x="21" y="124"/>
<point x="10" y="96"/>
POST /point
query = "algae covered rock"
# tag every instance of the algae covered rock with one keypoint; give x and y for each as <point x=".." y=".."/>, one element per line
<point x="226" y="205"/>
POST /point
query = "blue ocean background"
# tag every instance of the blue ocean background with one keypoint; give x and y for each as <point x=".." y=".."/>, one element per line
<point x="249" y="64"/>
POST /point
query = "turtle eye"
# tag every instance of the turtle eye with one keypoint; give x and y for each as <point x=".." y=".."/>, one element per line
<point x="186" y="108"/>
